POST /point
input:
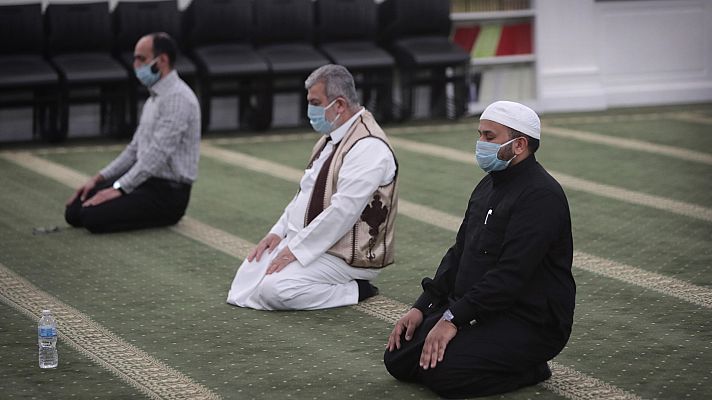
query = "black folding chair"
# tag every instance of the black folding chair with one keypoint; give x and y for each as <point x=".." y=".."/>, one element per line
<point x="26" y="79"/>
<point x="417" y="33"/>
<point x="79" y="46"/>
<point x="347" y="35"/>
<point x="218" y="33"/>
<point x="284" y="35"/>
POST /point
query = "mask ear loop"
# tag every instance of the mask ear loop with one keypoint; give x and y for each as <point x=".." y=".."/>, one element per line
<point x="337" y="115"/>
<point x="503" y="145"/>
<point x="154" y="67"/>
<point x="527" y="142"/>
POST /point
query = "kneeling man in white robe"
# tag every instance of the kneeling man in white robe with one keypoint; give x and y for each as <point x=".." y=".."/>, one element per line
<point x="337" y="233"/>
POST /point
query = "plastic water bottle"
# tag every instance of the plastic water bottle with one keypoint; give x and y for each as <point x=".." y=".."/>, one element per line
<point x="47" y="340"/>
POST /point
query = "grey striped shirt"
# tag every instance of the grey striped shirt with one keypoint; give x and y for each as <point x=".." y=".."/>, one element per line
<point x="166" y="143"/>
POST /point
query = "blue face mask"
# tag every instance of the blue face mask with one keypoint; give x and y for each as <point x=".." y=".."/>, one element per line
<point x="146" y="75"/>
<point x="486" y="155"/>
<point x="317" y="118"/>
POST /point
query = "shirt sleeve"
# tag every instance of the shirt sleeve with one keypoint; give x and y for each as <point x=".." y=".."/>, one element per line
<point x="168" y="131"/>
<point x="123" y="162"/>
<point x="368" y="165"/>
<point x="435" y="290"/>
<point x="280" y="228"/>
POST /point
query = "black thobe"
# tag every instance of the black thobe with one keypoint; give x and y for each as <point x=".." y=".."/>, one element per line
<point x="507" y="281"/>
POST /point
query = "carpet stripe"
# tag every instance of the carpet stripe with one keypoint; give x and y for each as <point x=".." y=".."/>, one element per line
<point x="150" y="376"/>
<point x="670" y="286"/>
<point x="609" y="118"/>
<point x="692" y="117"/>
<point x="568" y="181"/>
<point x="564" y="381"/>
<point x="629" y="144"/>
<point x="630" y="196"/>
<point x="674" y="287"/>
<point x="50" y="169"/>
<point x="571" y="182"/>
<point x="650" y="280"/>
<point x="548" y="128"/>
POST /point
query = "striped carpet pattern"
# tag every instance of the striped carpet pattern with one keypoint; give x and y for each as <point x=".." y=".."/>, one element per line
<point x="142" y="314"/>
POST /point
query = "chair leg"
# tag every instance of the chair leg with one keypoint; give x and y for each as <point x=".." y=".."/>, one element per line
<point x="109" y="103"/>
<point x="461" y="92"/>
<point x="303" y="104"/>
<point x="44" y="113"/>
<point x="121" y="101"/>
<point x="438" y="96"/>
<point x="264" y="104"/>
<point x="205" y="103"/>
<point x="385" y="96"/>
<point x="132" y="105"/>
<point x="460" y="99"/>
<point x="62" y="116"/>
<point x="245" y="113"/>
<point x="406" y="85"/>
<point x="38" y="111"/>
<point x="104" y="117"/>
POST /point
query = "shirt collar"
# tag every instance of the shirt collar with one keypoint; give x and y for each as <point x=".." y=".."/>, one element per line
<point x="165" y="83"/>
<point x="339" y="133"/>
<point x="513" y="170"/>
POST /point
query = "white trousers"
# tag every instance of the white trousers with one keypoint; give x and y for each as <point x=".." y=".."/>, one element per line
<point x="326" y="283"/>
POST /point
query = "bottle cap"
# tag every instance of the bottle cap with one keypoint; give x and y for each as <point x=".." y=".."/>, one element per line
<point x="46" y="312"/>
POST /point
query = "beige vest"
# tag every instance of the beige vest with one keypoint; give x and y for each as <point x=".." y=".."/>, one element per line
<point x="370" y="243"/>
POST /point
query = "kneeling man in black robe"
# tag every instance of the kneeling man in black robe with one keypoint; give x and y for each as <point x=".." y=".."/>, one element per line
<point x="501" y="303"/>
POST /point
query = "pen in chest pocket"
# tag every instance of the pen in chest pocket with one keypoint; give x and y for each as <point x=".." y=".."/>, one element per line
<point x="487" y="216"/>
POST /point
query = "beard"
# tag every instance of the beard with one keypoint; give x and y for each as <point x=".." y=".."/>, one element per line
<point x="506" y="153"/>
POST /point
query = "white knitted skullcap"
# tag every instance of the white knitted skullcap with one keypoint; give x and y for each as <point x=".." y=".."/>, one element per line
<point x="514" y="115"/>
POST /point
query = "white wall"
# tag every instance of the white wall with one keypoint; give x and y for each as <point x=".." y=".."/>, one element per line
<point x="593" y="55"/>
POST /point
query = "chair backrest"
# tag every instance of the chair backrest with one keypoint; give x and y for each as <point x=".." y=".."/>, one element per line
<point x="340" y="20"/>
<point x="218" y="21"/>
<point x="283" y="21"/>
<point x="403" y="18"/>
<point x="134" y="19"/>
<point x="21" y="29"/>
<point x="78" y="27"/>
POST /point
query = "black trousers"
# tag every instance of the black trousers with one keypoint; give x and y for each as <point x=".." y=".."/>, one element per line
<point x="156" y="202"/>
<point x="489" y="358"/>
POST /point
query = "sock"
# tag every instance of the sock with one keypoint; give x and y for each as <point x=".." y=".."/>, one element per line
<point x="365" y="289"/>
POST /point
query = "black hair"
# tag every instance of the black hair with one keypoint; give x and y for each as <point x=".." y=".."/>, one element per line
<point x="163" y="43"/>
<point x="533" y="144"/>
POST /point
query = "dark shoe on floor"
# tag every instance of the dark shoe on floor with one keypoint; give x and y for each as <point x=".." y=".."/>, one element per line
<point x="365" y="289"/>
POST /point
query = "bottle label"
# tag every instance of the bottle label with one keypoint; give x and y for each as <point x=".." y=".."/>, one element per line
<point x="47" y="331"/>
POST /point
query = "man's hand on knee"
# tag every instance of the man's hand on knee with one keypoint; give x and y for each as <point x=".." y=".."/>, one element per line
<point x="269" y="243"/>
<point x="83" y="191"/>
<point x="436" y="342"/>
<point x="102" y="196"/>
<point x="408" y="323"/>
<point x="282" y="260"/>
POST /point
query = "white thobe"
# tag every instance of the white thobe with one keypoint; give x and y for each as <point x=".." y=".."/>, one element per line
<point x="316" y="279"/>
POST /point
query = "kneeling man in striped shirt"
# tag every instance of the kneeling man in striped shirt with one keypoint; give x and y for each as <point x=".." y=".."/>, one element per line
<point x="148" y="184"/>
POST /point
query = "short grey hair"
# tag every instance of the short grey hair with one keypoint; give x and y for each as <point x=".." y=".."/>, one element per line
<point x="338" y="82"/>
